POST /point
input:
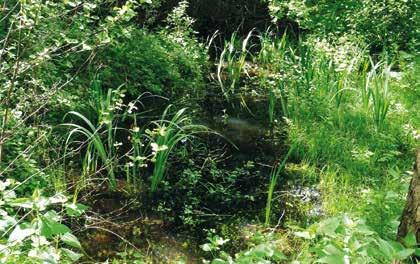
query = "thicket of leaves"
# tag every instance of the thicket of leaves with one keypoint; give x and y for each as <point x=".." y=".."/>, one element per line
<point x="96" y="59"/>
<point x="388" y="25"/>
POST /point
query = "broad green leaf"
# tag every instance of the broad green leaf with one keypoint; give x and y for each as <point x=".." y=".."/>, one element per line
<point x="278" y="256"/>
<point x="50" y="227"/>
<point x="405" y="253"/>
<point x="386" y="248"/>
<point x="262" y="251"/>
<point x="71" y="240"/>
<point x="6" y="222"/>
<point x="52" y="215"/>
<point x="22" y="202"/>
<point x="410" y="240"/>
<point x="20" y="233"/>
<point x="332" y="250"/>
<point x="397" y="246"/>
<point x="329" y="226"/>
<point x="333" y="259"/>
<point x="45" y="255"/>
<point x="73" y="256"/>
<point x="218" y="261"/>
<point x="304" y="234"/>
<point x="75" y="210"/>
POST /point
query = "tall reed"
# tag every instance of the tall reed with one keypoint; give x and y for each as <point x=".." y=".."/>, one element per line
<point x="97" y="148"/>
<point x="272" y="99"/>
<point x="271" y="56"/>
<point x="274" y="176"/>
<point x="100" y="138"/>
<point x="364" y="78"/>
<point x="378" y="83"/>
<point x="231" y="64"/>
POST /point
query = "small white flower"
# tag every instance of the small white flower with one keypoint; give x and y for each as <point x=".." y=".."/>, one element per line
<point x="395" y="75"/>
<point x="117" y="144"/>
<point x="156" y="148"/>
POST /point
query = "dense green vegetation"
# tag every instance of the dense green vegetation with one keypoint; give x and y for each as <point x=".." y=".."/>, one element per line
<point x="156" y="131"/>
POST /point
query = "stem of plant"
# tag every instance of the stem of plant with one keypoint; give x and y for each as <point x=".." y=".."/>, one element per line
<point x="275" y="173"/>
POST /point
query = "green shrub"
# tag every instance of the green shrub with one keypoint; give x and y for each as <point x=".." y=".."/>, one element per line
<point x="152" y="62"/>
<point x="21" y="160"/>
<point x="386" y="25"/>
<point x="260" y="248"/>
<point x="32" y="229"/>
<point x="344" y="239"/>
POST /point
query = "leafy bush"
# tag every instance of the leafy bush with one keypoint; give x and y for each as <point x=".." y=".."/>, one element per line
<point x="151" y="62"/>
<point x="390" y="24"/>
<point x="352" y="119"/>
<point x="261" y="248"/>
<point x="346" y="240"/>
<point x="21" y="157"/>
<point x="32" y="230"/>
<point x="46" y="47"/>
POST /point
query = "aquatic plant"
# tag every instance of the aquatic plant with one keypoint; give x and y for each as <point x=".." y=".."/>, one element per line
<point x="166" y="135"/>
<point x="274" y="177"/>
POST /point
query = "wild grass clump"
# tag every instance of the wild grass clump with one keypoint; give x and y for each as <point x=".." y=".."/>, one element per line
<point x="154" y="145"/>
<point x="231" y="64"/>
<point x="166" y="135"/>
<point x="98" y="147"/>
<point x="274" y="178"/>
<point x="378" y="85"/>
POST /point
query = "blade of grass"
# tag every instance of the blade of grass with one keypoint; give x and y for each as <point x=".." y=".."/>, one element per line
<point x="274" y="175"/>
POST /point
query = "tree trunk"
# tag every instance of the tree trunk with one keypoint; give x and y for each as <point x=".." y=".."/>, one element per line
<point x="410" y="221"/>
